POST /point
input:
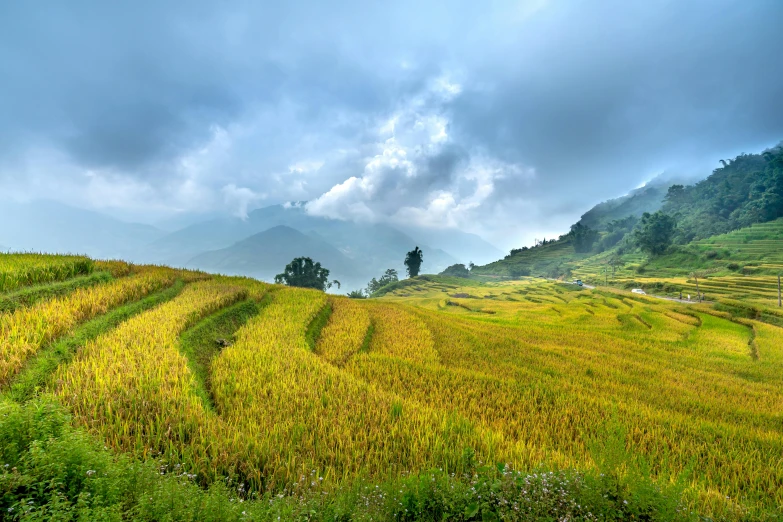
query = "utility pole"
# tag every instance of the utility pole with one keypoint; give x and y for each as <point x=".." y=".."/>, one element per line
<point x="780" y="303"/>
<point x="698" y="295"/>
<point x="606" y="276"/>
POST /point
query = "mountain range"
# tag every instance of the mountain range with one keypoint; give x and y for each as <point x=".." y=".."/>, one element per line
<point x="49" y="226"/>
<point x="259" y="245"/>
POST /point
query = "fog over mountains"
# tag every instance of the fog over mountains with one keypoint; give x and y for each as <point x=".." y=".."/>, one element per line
<point x="505" y="119"/>
<point x="259" y="245"/>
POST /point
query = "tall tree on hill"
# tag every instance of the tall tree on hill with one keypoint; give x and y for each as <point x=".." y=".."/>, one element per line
<point x="655" y="232"/>
<point x="413" y="260"/>
<point x="675" y="194"/>
<point x="304" y="273"/>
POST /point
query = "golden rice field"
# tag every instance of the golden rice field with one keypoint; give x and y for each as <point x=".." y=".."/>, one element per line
<point x="525" y="372"/>
<point x="18" y="270"/>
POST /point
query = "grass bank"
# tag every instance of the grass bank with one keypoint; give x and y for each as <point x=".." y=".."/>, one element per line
<point x="202" y="342"/>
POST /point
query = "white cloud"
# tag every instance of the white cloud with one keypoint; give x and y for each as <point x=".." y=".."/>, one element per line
<point x="418" y="175"/>
<point x="305" y="167"/>
<point x="240" y="199"/>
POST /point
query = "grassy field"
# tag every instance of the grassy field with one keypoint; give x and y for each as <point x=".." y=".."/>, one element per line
<point x="445" y="398"/>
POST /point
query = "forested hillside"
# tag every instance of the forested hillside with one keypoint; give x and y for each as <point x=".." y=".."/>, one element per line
<point x="659" y="222"/>
<point x="744" y="191"/>
<point x="646" y="199"/>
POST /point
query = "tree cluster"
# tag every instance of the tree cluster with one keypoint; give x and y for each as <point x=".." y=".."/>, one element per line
<point x="457" y="270"/>
<point x="388" y="277"/>
<point x="743" y="191"/>
<point x="305" y="273"/>
<point x="582" y="237"/>
<point x="655" y="232"/>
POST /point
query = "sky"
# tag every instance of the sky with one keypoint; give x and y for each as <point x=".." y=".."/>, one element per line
<point x="506" y="119"/>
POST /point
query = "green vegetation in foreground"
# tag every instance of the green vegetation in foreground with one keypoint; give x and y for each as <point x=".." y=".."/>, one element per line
<point x="31" y="295"/>
<point x="34" y="375"/>
<point x="202" y="342"/>
<point x="317" y="324"/>
<point x="50" y="470"/>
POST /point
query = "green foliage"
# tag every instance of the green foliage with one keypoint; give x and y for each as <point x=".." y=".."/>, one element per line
<point x="357" y="294"/>
<point x="388" y="277"/>
<point x="675" y="195"/>
<point x="582" y="237"/>
<point x="413" y="260"/>
<point x="52" y="471"/>
<point x="655" y="233"/>
<point x="645" y="199"/>
<point x="518" y="271"/>
<point x="304" y="273"/>
<point x="458" y="270"/>
<point x="313" y="331"/>
<point x="744" y="191"/>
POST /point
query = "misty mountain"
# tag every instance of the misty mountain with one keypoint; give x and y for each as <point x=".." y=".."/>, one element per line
<point x="372" y="247"/>
<point x="48" y="226"/>
<point x="645" y="199"/>
<point x="265" y="254"/>
<point x="464" y="246"/>
<point x="746" y="190"/>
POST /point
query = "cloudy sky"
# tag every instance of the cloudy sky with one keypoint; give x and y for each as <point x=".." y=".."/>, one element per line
<point x="508" y="119"/>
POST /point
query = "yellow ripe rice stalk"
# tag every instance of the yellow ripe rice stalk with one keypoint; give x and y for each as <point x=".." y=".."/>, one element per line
<point x="25" y="330"/>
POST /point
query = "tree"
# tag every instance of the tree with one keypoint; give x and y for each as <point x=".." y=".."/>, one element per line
<point x="304" y="273"/>
<point x="675" y="194"/>
<point x="356" y="294"/>
<point x="413" y="260"/>
<point x="655" y="232"/>
<point x="457" y="270"/>
<point x="583" y="237"/>
<point x="615" y="261"/>
<point x="388" y="277"/>
<point x="518" y="271"/>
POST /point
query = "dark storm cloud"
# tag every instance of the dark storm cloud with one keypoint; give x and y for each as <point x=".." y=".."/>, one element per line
<point x="123" y="84"/>
<point x="548" y="107"/>
<point x="601" y="94"/>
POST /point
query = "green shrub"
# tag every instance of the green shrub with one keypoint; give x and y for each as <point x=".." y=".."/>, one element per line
<point x="52" y="471"/>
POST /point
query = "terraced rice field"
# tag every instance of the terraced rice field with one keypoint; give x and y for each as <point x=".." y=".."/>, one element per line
<point x="316" y="391"/>
<point x="19" y="270"/>
<point x="742" y="266"/>
<point x="760" y="242"/>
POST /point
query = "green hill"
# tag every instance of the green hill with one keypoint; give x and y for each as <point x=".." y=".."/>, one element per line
<point x="729" y="222"/>
<point x="546" y="259"/>
<point x="646" y="199"/>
